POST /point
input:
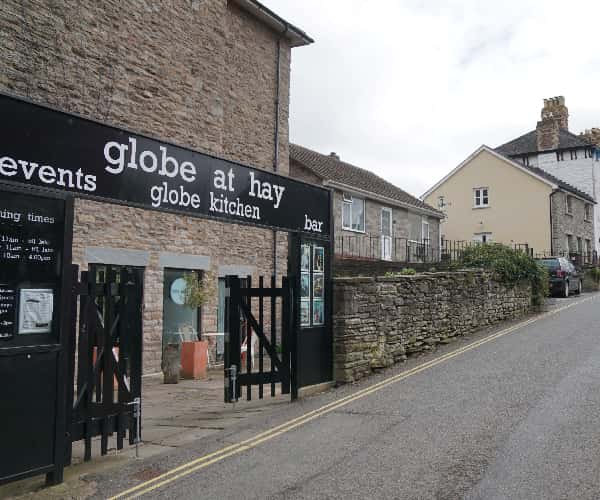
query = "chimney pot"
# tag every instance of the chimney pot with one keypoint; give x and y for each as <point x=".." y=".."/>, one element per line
<point x="333" y="154"/>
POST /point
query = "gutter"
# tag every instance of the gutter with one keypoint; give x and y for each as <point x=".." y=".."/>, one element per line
<point x="384" y="199"/>
<point x="295" y="36"/>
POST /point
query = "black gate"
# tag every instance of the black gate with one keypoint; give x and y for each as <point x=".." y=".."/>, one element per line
<point x="254" y="330"/>
<point x="109" y="356"/>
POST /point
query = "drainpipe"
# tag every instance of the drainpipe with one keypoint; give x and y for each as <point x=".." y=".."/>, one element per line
<point x="276" y="152"/>
<point x="551" y="226"/>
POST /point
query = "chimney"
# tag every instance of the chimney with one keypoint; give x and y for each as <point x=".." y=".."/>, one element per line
<point x="333" y="154"/>
<point x="555" y="116"/>
<point x="592" y="136"/>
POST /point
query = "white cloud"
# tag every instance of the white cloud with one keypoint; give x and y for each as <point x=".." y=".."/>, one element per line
<point x="408" y="89"/>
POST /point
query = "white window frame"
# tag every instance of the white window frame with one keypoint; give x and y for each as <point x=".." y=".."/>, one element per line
<point x="478" y="197"/>
<point x="348" y="200"/>
<point x="588" y="212"/>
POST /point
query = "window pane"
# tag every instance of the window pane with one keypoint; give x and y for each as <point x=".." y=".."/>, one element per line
<point x="358" y="213"/>
<point x="179" y="321"/>
<point x="346" y="211"/>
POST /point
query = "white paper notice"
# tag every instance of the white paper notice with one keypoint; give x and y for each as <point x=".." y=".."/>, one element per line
<point x="36" y="307"/>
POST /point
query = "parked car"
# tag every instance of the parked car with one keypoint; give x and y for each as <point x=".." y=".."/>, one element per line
<point x="565" y="278"/>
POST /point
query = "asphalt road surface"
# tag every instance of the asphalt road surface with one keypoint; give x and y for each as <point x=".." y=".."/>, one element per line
<point x="517" y="417"/>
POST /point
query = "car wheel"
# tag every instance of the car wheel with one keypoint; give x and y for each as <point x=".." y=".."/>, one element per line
<point x="566" y="289"/>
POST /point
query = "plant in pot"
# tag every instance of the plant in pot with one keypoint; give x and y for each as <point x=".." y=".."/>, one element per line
<point x="194" y="353"/>
<point x="185" y="355"/>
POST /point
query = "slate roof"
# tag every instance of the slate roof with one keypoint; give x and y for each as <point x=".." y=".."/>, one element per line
<point x="332" y="169"/>
<point x="527" y="143"/>
<point x="555" y="180"/>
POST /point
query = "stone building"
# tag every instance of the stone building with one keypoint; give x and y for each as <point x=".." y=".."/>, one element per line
<point x="372" y="218"/>
<point x="492" y="198"/>
<point x="554" y="149"/>
<point x="212" y="76"/>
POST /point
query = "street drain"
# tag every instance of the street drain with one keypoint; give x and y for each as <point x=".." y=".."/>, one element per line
<point x="149" y="473"/>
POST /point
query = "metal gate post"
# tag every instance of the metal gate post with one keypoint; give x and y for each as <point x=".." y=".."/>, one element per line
<point x="232" y="339"/>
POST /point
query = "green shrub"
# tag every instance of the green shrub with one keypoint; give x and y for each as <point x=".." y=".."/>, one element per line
<point x="510" y="267"/>
<point x="594" y="273"/>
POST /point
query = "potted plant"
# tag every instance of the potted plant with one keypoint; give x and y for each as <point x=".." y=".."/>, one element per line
<point x="194" y="353"/>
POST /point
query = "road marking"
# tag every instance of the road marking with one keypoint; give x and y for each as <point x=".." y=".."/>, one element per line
<point x="234" y="449"/>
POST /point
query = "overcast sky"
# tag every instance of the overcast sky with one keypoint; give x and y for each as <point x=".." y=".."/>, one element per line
<point x="409" y="88"/>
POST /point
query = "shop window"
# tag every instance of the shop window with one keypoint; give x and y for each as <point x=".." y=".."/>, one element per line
<point x="312" y="285"/>
<point x="180" y="322"/>
<point x="353" y="213"/>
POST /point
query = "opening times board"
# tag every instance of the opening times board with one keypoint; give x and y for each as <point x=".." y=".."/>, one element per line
<point x="31" y="235"/>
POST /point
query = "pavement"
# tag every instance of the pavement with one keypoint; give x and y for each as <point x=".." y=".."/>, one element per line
<point x="511" y="412"/>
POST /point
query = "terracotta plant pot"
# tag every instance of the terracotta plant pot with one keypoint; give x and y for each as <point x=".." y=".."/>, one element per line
<point x="194" y="359"/>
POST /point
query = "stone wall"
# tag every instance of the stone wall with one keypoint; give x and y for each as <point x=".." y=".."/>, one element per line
<point x="201" y="74"/>
<point x="574" y="224"/>
<point x="379" y="321"/>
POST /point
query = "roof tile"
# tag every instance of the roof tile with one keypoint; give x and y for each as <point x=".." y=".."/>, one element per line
<point x="331" y="168"/>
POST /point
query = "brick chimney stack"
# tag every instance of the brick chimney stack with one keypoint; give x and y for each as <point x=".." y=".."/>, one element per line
<point x="592" y="136"/>
<point x="555" y="116"/>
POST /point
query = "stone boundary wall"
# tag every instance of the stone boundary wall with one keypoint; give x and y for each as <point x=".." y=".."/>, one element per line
<point x="379" y="321"/>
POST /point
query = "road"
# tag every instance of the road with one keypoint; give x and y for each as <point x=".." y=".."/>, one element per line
<point x="516" y="417"/>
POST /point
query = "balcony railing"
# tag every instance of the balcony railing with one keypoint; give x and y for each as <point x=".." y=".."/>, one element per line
<point x="365" y="247"/>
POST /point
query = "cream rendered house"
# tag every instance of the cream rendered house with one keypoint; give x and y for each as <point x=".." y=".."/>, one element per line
<point x="491" y="198"/>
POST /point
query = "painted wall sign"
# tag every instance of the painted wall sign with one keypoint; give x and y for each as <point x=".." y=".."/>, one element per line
<point x="31" y="235"/>
<point x="51" y="149"/>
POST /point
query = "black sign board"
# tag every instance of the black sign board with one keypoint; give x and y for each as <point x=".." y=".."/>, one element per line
<point x="31" y="236"/>
<point x="51" y="149"/>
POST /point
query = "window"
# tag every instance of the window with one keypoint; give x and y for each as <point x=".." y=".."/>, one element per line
<point x="560" y="156"/>
<point x="570" y="247"/>
<point x="569" y="204"/>
<point x="588" y="249"/>
<point x="480" y="197"/>
<point x="180" y="322"/>
<point x="588" y="211"/>
<point x="425" y="231"/>
<point x="353" y="213"/>
<point x="441" y="202"/>
<point x="573" y="154"/>
<point x="482" y="238"/>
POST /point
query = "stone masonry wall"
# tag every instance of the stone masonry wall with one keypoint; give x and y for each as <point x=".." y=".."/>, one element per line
<point x="574" y="224"/>
<point x="379" y="321"/>
<point x="199" y="73"/>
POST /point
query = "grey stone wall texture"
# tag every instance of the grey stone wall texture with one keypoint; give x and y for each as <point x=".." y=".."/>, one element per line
<point x="574" y="224"/>
<point x="201" y="74"/>
<point x="379" y="321"/>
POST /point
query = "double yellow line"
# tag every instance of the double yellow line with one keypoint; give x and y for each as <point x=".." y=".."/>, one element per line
<point x="234" y="449"/>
